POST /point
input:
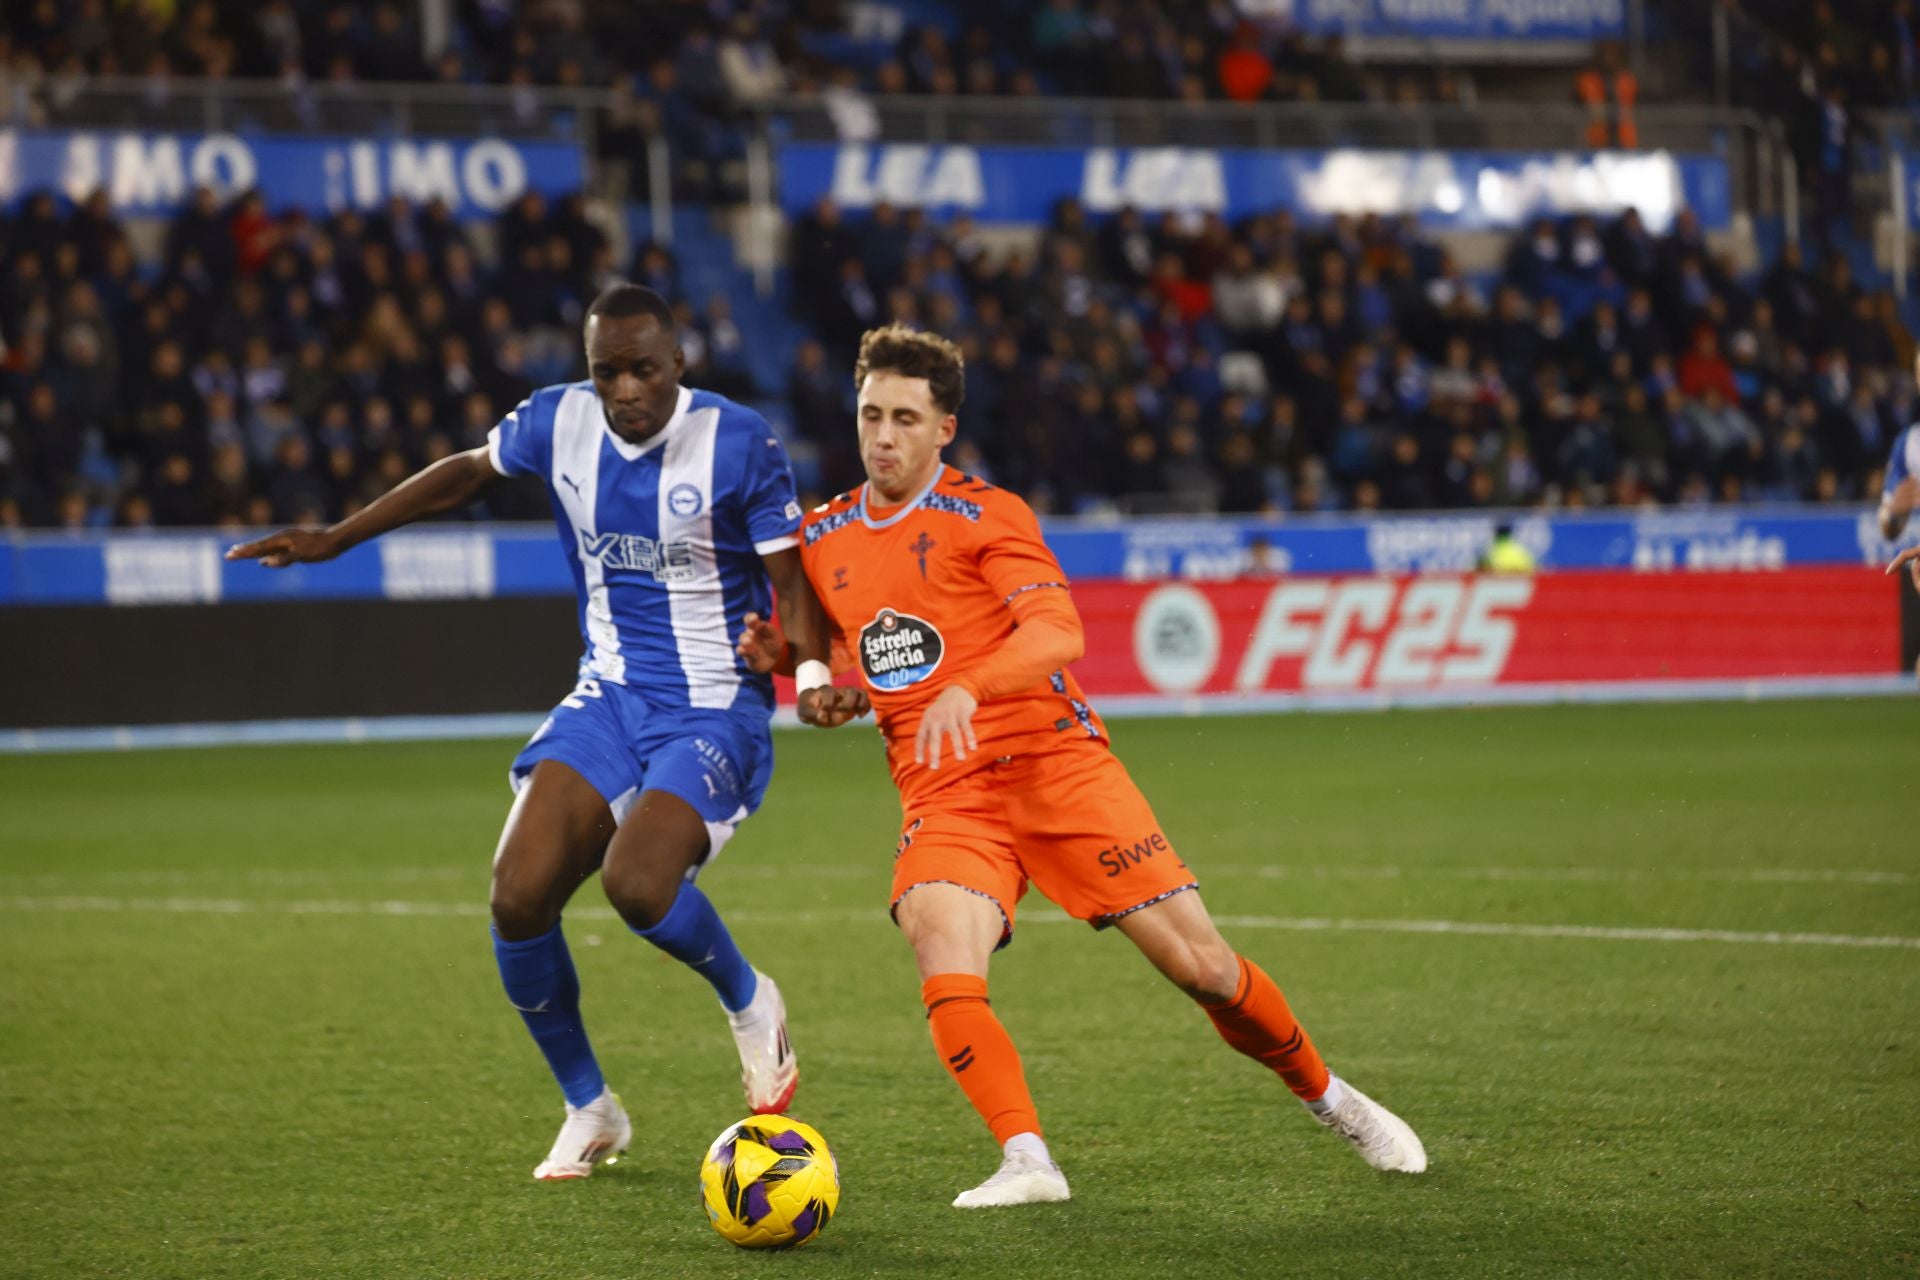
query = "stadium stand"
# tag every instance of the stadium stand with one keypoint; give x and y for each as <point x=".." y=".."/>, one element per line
<point x="247" y="367"/>
<point x="705" y="56"/>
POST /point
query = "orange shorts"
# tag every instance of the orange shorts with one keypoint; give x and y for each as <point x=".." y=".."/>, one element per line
<point x="1067" y="819"/>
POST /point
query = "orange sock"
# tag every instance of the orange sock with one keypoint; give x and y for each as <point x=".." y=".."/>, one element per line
<point x="1259" y="1024"/>
<point x="979" y="1053"/>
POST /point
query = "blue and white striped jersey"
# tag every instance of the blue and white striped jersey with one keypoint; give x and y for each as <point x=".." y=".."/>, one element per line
<point x="664" y="538"/>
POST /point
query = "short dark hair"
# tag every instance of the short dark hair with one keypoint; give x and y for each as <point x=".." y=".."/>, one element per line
<point x="623" y="300"/>
<point x="913" y="354"/>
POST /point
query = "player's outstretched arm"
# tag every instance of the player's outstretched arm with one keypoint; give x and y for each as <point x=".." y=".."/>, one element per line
<point x="1897" y="506"/>
<point x="447" y="485"/>
<point x="808" y="639"/>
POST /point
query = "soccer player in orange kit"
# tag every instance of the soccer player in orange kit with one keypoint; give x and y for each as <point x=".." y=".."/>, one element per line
<point x="944" y="596"/>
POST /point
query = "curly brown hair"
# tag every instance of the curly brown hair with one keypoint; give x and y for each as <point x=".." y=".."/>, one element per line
<point x="913" y="354"/>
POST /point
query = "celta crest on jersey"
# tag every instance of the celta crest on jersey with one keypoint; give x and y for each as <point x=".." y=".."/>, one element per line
<point x="670" y="561"/>
<point x="898" y="650"/>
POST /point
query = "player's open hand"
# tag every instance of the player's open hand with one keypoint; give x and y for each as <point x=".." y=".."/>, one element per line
<point x="760" y="646"/>
<point x="950" y="720"/>
<point x="831" y="706"/>
<point x="1910" y="558"/>
<point x="289" y="546"/>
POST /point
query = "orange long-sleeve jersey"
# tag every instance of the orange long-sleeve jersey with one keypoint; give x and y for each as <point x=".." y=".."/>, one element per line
<point x="929" y="594"/>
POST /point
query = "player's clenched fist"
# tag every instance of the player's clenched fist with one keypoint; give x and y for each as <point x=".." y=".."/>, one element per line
<point x="832" y="706"/>
<point x="763" y="649"/>
<point x="289" y="546"/>
<point x="949" y="719"/>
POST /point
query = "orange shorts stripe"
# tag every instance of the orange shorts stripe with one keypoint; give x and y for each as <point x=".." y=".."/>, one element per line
<point x="1067" y="820"/>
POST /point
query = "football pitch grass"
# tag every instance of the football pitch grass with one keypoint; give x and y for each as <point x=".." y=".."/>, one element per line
<point x="1645" y="979"/>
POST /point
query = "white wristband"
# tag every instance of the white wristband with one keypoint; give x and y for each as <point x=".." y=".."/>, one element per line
<point x="812" y="674"/>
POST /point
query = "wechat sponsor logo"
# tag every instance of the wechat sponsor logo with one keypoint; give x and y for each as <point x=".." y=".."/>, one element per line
<point x="898" y="649"/>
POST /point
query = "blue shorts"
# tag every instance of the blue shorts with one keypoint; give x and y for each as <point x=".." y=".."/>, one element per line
<point x="717" y="761"/>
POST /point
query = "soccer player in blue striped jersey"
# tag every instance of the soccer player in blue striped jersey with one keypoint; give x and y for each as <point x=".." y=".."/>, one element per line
<point x="676" y="512"/>
<point x="1900" y="492"/>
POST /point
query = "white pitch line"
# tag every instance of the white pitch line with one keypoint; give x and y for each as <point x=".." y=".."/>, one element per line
<point x="1295" y="924"/>
<point x="53" y="880"/>
<point x="1602" y="932"/>
<point x="1581" y="875"/>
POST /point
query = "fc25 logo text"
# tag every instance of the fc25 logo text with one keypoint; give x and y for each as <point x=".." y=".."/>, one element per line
<point x="1354" y="633"/>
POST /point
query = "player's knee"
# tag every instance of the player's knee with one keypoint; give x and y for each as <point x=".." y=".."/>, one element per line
<point x="520" y="911"/>
<point x="640" y="893"/>
<point x="949" y="944"/>
<point x="939" y="949"/>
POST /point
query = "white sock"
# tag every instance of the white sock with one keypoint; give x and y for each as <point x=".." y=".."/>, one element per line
<point x="1335" y="1095"/>
<point x="1028" y="1144"/>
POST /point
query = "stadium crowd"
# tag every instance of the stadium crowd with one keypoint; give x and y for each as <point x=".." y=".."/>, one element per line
<point x="272" y="369"/>
<point x="287" y="369"/>
<point x="714" y="51"/>
<point x="1172" y="364"/>
<point x="692" y="71"/>
<point x="690" y="65"/>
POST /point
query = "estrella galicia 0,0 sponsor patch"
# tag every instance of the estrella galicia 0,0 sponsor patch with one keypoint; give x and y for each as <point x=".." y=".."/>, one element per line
<point x="898" y="649"/>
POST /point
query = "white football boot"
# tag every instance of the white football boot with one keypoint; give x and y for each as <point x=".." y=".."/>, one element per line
<point x="1023" y="1178"/>
<point x="1382" y="1138"/>
<point x="769" y="1071"/>
<point x="597" y="1133"/>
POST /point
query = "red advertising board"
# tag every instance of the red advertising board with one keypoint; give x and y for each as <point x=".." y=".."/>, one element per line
<point x="1332" y="635"/>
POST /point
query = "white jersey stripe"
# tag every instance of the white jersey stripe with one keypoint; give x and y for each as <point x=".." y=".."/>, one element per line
<point x="578" y="434"/>
<point x="697" y="603"/>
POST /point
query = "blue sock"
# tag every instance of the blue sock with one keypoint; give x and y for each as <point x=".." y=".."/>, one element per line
<point x="692" y="933"/>
<point x="540" y="981"/>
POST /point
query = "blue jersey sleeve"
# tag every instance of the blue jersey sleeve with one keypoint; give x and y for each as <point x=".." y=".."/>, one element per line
<point x="522" y="444"/>
<point x="767" y="495"/>
<point x="1904" y="462"/>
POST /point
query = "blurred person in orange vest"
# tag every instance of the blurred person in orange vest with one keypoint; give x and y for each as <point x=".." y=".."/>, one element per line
<point x="1608" y="90"/>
